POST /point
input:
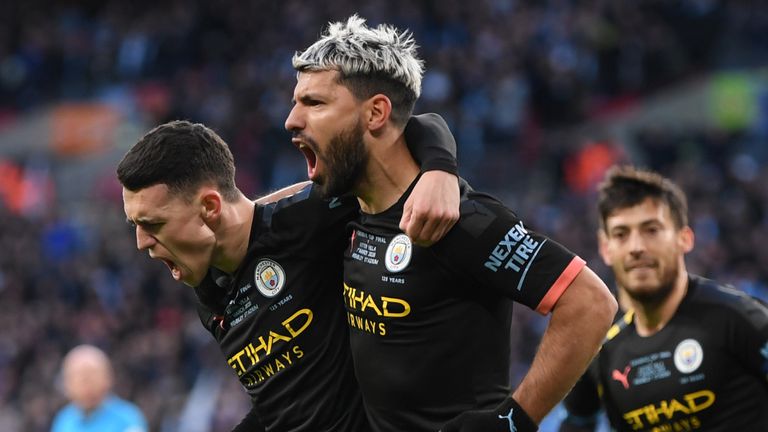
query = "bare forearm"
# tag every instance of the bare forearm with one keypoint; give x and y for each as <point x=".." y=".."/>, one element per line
<point x="578" y="325"/>
<point x="282" y="193"/>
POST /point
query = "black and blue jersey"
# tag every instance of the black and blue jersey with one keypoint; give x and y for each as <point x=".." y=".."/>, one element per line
<point x="706" y="370"/>
<point x="430" y="327"/>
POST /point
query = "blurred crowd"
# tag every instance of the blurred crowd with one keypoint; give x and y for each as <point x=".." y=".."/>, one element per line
<point x="506" y="75"/>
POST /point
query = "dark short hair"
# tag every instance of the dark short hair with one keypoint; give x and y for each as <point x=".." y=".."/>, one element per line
<point x="627" y="186"/>
<point x="364" y="86"/>
<point x="183" y="156"/>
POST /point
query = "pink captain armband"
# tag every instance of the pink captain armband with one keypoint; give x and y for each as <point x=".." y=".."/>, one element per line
<point x="558" y="288"/>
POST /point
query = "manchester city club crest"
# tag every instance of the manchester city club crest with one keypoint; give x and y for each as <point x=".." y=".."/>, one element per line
<point x="269" y="277"/>
<point x="688" y="356"/>
<point x="398" y="253"/>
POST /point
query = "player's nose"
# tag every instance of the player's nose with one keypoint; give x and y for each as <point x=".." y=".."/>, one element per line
<point x="144" y="240"/>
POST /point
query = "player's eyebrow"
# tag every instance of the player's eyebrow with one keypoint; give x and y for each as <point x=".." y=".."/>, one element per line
<point x="306" y="98"/>
<point x="140" y="221"/>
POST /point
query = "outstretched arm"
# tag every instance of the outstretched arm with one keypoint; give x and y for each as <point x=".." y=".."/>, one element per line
<point x="433" y="207"/>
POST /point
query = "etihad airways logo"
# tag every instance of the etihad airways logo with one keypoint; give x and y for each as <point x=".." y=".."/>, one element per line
<point x="383" y="306"/>
<point x="264" y="345"/>
<point x="653" y="415"/>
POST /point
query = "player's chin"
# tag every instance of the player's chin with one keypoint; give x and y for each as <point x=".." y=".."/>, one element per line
<point x="192" y="279"/>
<point x="326" y="191"/>
<point x="644" y="288"/>
<point x="324" y="182"/>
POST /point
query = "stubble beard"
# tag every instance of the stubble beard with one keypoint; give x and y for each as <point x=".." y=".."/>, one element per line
<point x="657" y="296"/>
<point x="345" y="161"/>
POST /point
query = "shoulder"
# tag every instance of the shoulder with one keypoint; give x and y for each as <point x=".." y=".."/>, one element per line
<point x="480" y="210"/>
<point x="307" y="195"/>
<point x="726" y="301"/>
<point x="621" y="326"/>
<point x="127" y="411"/>
<point x="706" y="292"/>
<point x="306" y="204"/>
<point x="64" y="417"/>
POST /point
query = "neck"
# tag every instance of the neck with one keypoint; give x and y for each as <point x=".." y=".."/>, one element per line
<point x="651" y="317"/>
<point x="232" y="234"/>
<point x="389" y="172"/>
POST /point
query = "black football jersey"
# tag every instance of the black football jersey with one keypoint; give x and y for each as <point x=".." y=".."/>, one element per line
<point x="706" y="370"/>
<point x="430" y="327"/>
<point x="280" y="321"/>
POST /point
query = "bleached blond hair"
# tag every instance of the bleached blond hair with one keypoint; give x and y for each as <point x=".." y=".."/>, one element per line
<point x="366" y="58"/>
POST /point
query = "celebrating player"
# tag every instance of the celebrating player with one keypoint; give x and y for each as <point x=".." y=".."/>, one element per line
<point x="430" y="327"/>
<point x="268" y="276"/>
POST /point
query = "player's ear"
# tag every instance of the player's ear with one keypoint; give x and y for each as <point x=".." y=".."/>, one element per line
<point x="210" y="205"/>
<point x="603" y="247"/>
<point x="686" y="239"/>
<point x="378" y="110"/>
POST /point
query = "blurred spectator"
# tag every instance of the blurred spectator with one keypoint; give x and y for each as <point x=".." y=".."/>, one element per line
<point x="87" y="376"/>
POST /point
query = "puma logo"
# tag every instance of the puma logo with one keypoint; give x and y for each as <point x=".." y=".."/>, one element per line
<point x="622" y="377"/>
<point x="512" y="427"/>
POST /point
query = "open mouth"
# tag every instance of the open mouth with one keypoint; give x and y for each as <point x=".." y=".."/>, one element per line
<point x="310" y="156"/>
<point x="175" y="270"/>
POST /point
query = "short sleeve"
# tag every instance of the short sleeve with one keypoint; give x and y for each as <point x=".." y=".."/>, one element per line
<point x="497" y="250"/>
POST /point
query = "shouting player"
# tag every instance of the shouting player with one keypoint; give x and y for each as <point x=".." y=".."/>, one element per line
<point x="268" y="276"/>
<point x="430" y="328"/>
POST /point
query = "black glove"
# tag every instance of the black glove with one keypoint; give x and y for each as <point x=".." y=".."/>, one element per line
<point x="507" y="417"/>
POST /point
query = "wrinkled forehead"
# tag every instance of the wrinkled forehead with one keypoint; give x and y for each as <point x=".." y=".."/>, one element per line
<point x="648" y="211"/>
<point x="148" y="201"/>
<point x="326" y="81"/>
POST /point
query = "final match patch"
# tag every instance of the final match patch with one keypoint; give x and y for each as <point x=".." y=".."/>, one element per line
<point x="398" y="253"/>
<point x="269" y="277"/>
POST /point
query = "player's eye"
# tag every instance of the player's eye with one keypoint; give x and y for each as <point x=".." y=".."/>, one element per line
<point x="619" y="235"/>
